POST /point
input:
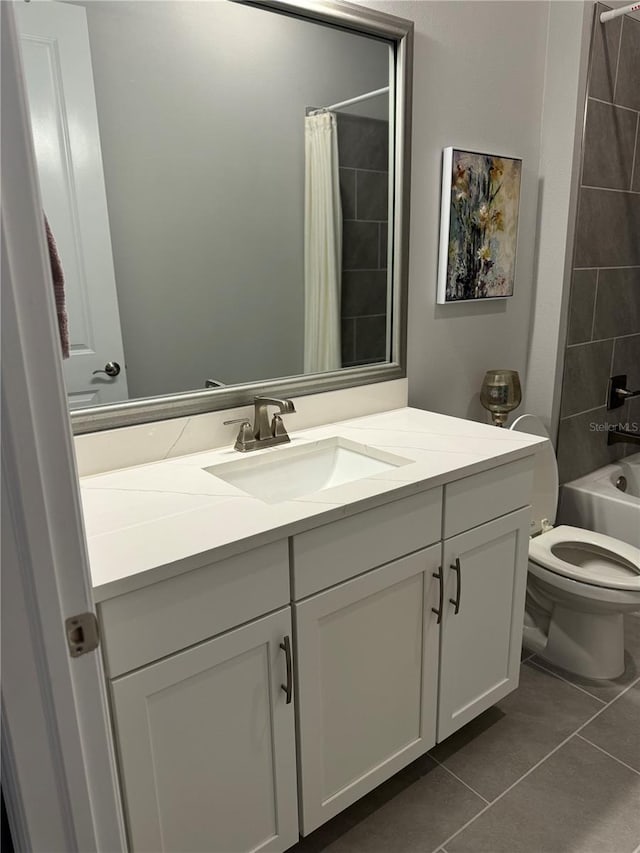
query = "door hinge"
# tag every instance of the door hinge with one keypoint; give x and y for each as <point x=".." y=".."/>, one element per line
<point x="82" y="634"/>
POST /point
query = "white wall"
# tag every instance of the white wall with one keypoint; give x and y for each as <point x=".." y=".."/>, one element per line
<point x="479" y="73"/>
<point x="201" y="112"/>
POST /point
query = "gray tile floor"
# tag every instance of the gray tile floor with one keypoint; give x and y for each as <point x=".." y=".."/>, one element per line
<point x="553" y="768"/>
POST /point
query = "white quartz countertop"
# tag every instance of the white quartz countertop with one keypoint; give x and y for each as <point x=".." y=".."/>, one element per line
<point x="150" y="522"/>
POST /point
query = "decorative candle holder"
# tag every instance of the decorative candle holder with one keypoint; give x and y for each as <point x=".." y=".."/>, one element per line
<point x="500" y="394"/>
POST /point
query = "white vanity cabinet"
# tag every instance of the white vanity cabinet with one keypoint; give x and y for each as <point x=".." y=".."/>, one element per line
<point x="366" y="650"/>
<point x="367" y="670"/>
<point x="485" y="529"/>
<point x="400" y="656"/>
<point x="205" y="732"/>
<point x="404" y="621"/>
<point x="484" y="583"/>
<point x="206" y="743"/>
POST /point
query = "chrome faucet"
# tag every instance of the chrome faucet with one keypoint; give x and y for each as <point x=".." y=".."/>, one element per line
<point x="262" y="428"/>
<point x="618" y="392"/>
<point x="263" y="433"/>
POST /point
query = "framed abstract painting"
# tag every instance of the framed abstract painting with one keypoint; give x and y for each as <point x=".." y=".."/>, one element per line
<point x="478" y="226"/>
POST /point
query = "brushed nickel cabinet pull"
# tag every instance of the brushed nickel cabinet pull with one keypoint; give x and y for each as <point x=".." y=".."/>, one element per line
<point x="439" y="575"/>
<point x="456" y="601"/>
<point x="288" y="687"/>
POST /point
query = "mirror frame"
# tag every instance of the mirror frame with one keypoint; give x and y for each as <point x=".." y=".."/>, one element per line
<point x="399" y="32"/>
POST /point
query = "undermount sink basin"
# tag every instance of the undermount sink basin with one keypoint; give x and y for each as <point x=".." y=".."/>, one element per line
<point x="291" y="472"/>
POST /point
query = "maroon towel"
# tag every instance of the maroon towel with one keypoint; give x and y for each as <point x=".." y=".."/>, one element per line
<point x="58" y="290"/>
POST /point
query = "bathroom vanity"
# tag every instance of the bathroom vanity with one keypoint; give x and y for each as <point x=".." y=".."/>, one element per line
<point x="272" y="660"/>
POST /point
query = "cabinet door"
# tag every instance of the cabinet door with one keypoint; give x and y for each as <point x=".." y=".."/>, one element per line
<point x="207" y="746"/>
<point x="480" y="644"/>
<point x="367" y="655"/>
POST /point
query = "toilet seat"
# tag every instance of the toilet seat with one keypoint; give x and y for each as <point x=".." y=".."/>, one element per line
<point x="579" y="583"/>
<point x="587" y="557"/>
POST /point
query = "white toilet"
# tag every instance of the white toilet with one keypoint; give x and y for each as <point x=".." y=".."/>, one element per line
<point x="579" y="582"/>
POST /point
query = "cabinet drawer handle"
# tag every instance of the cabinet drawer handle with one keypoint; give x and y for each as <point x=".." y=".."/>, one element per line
<point x="440" y="576"/>
<point x="288" y="687"/>
<point x="456" y="601"/>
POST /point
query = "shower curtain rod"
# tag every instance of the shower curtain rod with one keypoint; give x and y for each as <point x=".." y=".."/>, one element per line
<point x="616" y="13"/>
<point x="359" y="98"/>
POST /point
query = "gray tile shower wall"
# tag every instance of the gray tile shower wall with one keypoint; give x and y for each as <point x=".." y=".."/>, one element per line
<point x="363" y="153"/>
<point x="603" y="337"/>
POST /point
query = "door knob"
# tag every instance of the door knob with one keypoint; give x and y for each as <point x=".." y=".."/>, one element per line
<point x="111" y="368"/>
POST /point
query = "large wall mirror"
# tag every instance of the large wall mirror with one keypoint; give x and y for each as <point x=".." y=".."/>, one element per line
<point x="227" y="187"/>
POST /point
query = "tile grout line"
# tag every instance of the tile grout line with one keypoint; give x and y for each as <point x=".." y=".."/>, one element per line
<point x="577" y="414"/>
<point x="595" y="302"/>
<point x="563" y="417"/>
<point x="613" y="358"/>
<point x="585" y="412"/>
<point x="451" y="773"/>
<point x="355" y="195"/>
<point x="585" y="119"/>
<point x="581" y="343"/>
<point x="381" y="269"/>
<point x="608" y="267"/>
<point x="615" y="82"/>
<point x="566" y="681"/>
<point x="386" y="172"/>
<point x="595" y="187"/>
<point x="602" y="101"/>
<point x="608" y="754"/>
<point x="635" y="153"/>
<point x="535" y="766"/>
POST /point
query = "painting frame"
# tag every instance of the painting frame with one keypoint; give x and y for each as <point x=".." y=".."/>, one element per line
<point x="479" y="219"/>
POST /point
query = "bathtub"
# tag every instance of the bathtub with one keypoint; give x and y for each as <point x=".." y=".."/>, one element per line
<point x="595" y="502"/>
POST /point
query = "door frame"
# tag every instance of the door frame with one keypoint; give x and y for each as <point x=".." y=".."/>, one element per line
<point x="57" y="756"/>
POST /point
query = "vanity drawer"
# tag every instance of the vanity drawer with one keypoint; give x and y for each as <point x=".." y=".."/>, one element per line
<point x="483" y="497"/>
<point x="343" y="549"/>
<point x="147" y="624"/>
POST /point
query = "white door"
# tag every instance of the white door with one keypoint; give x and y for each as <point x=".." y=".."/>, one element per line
<point x="59" y="79"/>
<point x="367" y="657"/>
<point x="207" y="746"/>
<point x="56" y="741"/>
<point x="485" y="573"/>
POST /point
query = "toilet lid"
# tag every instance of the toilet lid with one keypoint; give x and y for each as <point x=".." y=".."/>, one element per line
<point x="586" y="556"/>
<point x="544" y="501"/>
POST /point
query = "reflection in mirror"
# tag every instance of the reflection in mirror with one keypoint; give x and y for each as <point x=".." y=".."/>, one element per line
<point x="216" y="177"/>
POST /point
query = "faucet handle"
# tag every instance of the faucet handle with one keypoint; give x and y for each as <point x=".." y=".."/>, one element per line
<point x="278" y="429"/>
<point x="246" y="440"/>
<point x="618" y="392"/>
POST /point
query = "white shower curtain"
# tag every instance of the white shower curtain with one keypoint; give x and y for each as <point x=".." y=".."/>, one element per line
<point x="322" y="245"/>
